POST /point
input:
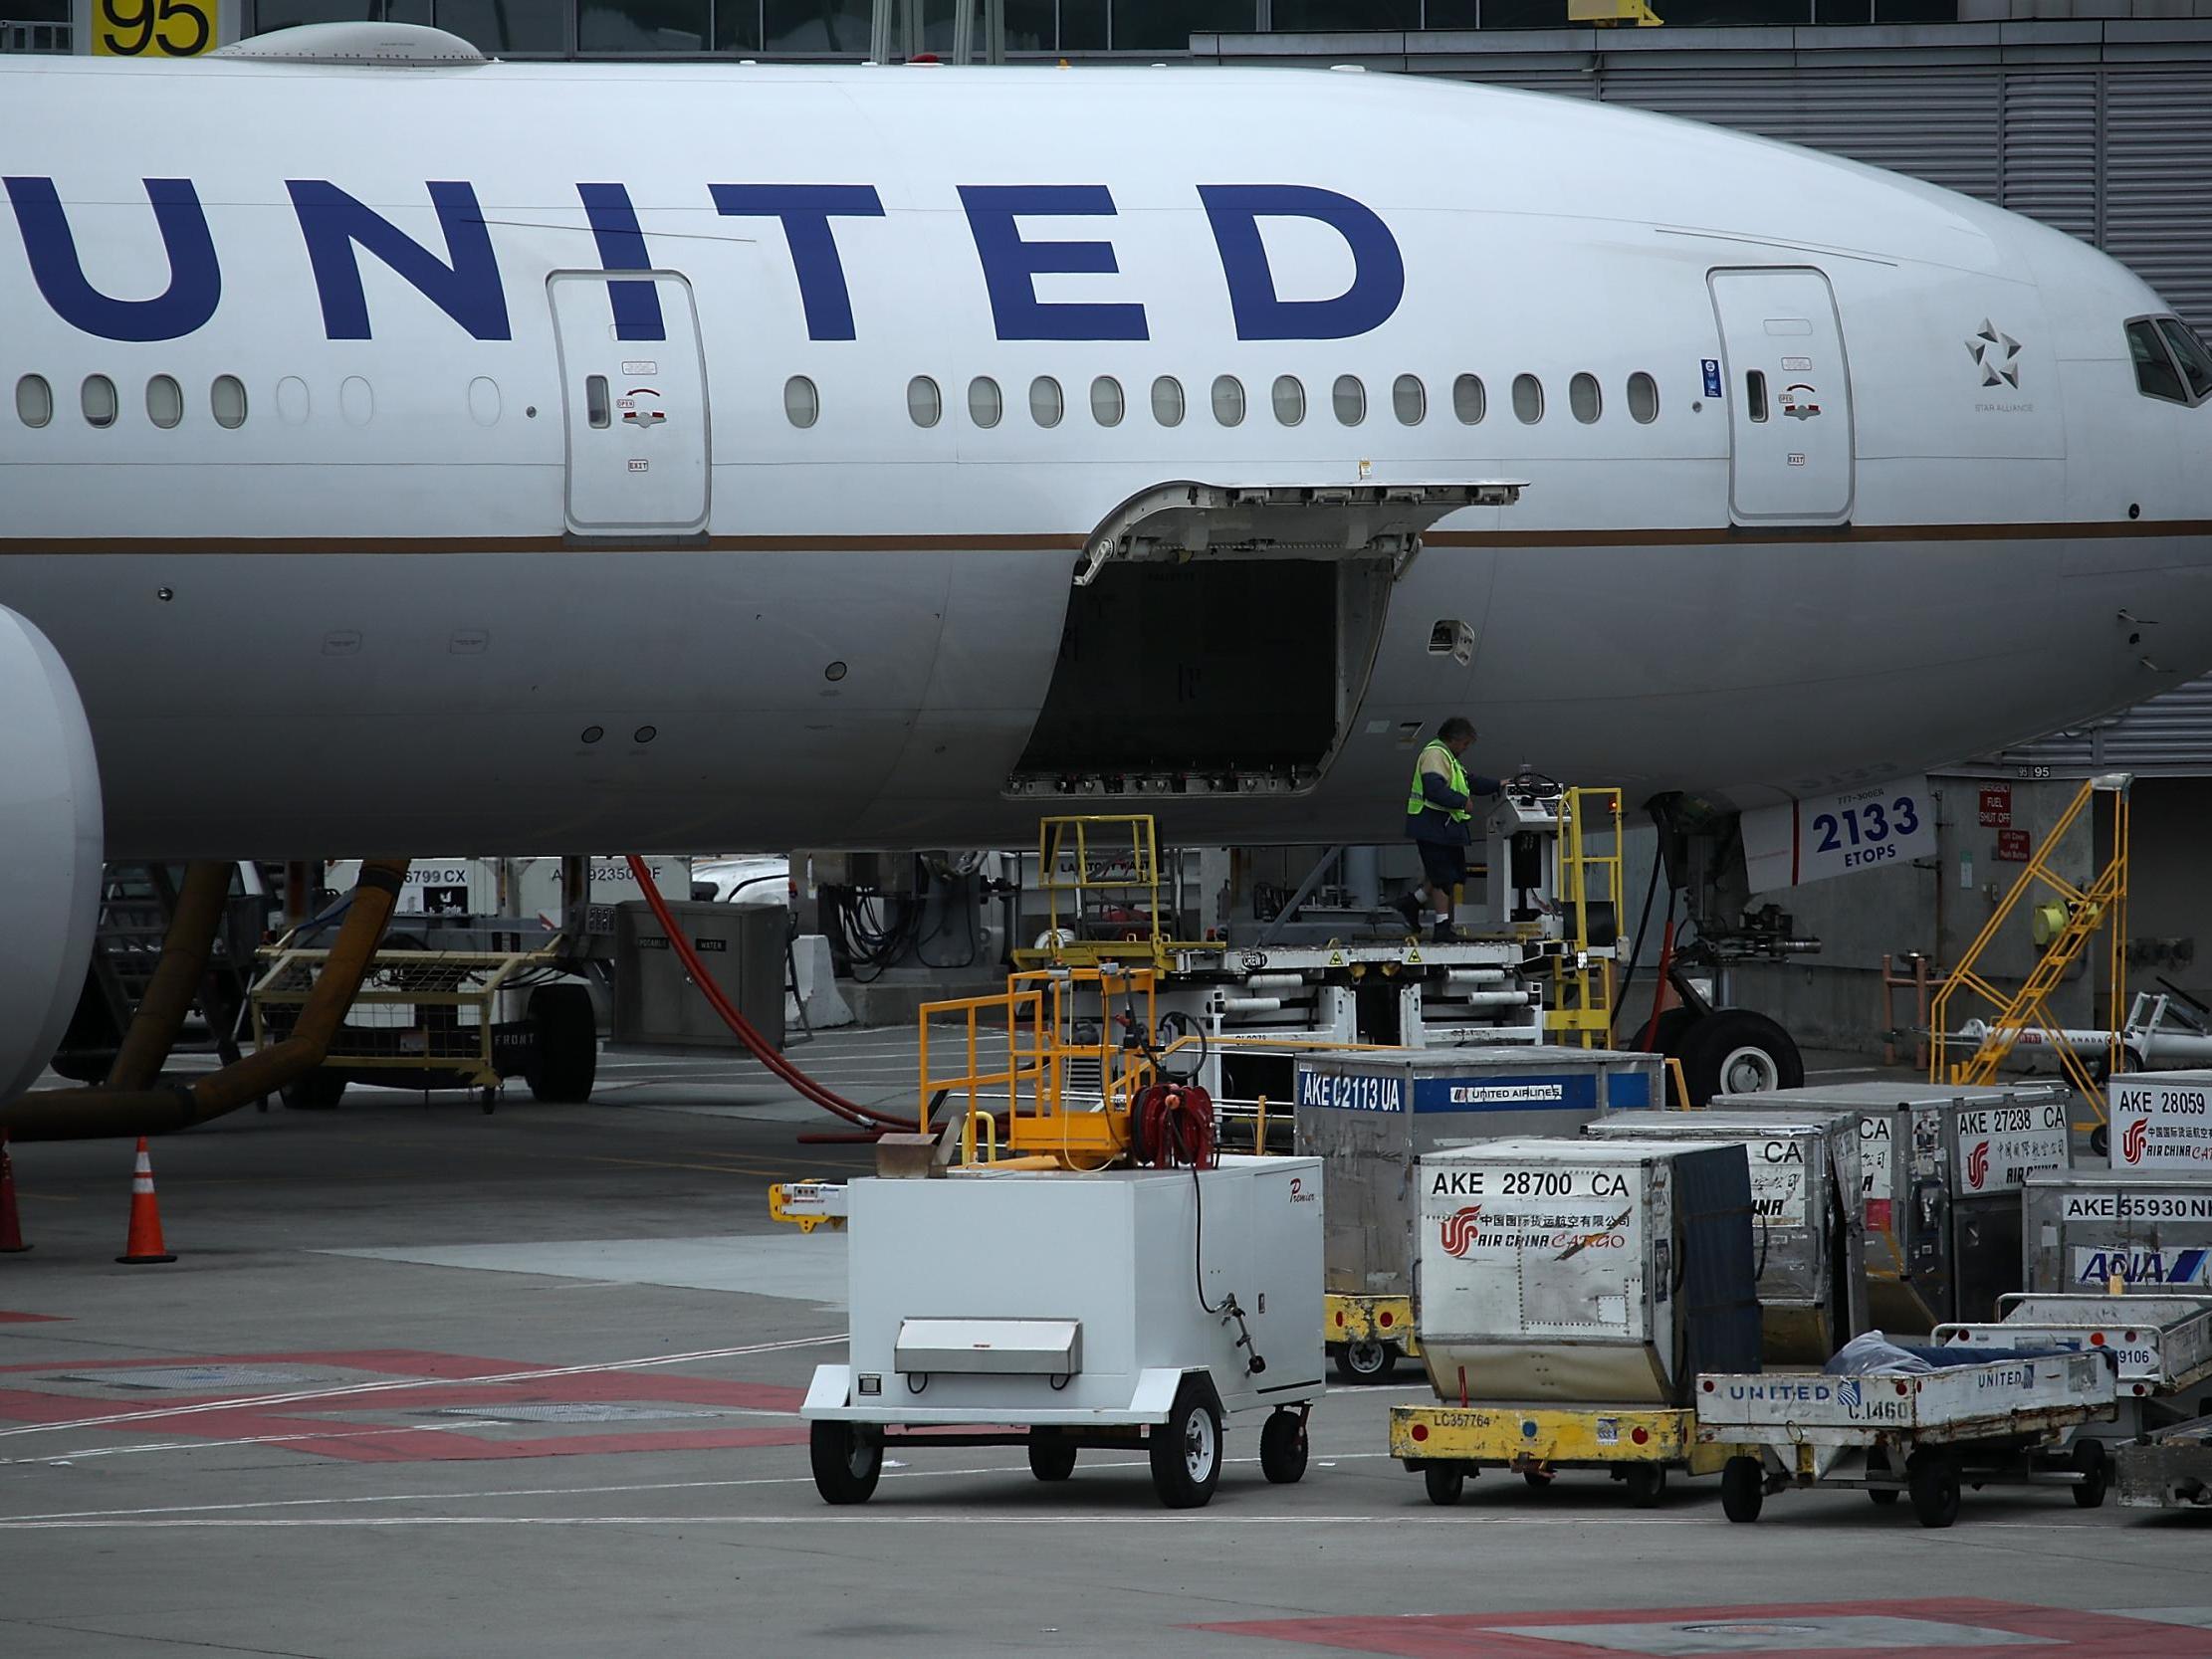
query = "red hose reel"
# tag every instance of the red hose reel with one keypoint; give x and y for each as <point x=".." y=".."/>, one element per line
<point x="1172" y="1127"/>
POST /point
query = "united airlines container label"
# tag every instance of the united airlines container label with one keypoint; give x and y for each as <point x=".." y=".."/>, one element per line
<point x="2092" y="1269"/>
<point x="1352" y="1093"/>
<point x="1872" y="1399"/>
<point x="2159" y="1123"/>
<point x="1564" y="1091"/>
<point x="1999" y="1146"/>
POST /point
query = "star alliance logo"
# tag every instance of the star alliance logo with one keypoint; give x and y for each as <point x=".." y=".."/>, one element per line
<point x="1998" y="355"/>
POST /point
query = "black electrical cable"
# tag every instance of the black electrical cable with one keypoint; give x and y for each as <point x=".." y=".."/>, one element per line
<point x="1642" y="926"/>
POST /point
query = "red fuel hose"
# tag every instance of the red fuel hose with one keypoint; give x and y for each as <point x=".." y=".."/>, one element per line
<point x="868" y="1118"/>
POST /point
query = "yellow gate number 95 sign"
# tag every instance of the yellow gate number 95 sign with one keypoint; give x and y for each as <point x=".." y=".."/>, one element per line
<point x="153" y="28"/>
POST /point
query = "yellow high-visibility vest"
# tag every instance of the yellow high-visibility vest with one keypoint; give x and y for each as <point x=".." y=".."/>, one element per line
<point x="1420" y="801"/>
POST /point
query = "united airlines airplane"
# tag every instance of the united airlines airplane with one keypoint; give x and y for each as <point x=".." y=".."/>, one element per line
<point x="403" y="450"/>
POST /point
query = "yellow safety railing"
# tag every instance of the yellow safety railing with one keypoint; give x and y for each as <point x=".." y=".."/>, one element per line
<point x="1019" y="1047"/>
<point x="2062" y="930"/>
<point x="1089" y="865"/>
<point x="1592" y="854"/>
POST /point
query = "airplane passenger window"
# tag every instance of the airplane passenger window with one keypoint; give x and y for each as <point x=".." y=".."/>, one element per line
<point x="598" y="414"/>
<point x="1468" y="400"/>
<point x="1528" y="399"/>
<point x="1755" y="394"/>
<point x="1408" y="399"/>
<point x="1643" y="398"/>
<point x="984" y="405"/>
<point x="1166" y="400"/>
<point x="99" y="399"/>
<point x="1584" y="398"/>
<point x="226" y="399"/>
<point x="1350" y="399"/>
<point x="2190" y="352"/>
<point x="1229" y="399"/>
<point x="1046" y="404"/>
<point x="34" y="400"/>
<point x="924" y="402"/>
<point x="1107" y="405"/>
<point x="164" y="401"/>
<point x="1290" y="400"/>
<point x="802" y="402"/>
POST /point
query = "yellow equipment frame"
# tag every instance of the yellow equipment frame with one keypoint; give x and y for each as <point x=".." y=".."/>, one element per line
<point x="1582" y="985"/>
<point x="2101" y="904"/>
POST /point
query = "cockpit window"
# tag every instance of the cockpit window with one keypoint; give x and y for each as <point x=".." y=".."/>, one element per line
<point x="2155" y="375"/>
<point x="2190" y="352"/>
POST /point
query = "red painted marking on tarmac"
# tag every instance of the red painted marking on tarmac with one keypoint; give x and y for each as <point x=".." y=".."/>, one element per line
<point x="2061" y="1632"/>
<point x="307" y="1426"/>
<point x="7" y="1317"/>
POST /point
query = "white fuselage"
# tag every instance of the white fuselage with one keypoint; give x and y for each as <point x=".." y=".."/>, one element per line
<point x="383" y="610"/>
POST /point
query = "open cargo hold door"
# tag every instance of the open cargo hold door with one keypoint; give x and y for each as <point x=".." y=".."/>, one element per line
<point x="1219" y="639"/>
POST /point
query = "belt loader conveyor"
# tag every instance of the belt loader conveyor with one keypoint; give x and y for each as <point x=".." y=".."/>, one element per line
<point x="2001" y="1423"/>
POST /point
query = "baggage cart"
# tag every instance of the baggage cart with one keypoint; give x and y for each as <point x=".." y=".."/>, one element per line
<point x="1449" y="1445"/>
<point x="1999" y="1421"/>
<point x="2161" y="1344"/>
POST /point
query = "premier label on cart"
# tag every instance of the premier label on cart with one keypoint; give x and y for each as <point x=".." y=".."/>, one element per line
<point x="2000" y="1146"/>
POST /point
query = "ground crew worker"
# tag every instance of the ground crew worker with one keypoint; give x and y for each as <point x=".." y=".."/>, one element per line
<point x="1437" y="816"/>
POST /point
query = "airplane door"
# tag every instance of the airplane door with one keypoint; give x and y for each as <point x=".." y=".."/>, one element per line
<point x="634" y="391"/>
<point x="1787" y="389"/>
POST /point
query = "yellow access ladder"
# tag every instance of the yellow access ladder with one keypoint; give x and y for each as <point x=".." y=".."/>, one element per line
<point x="1579" y="1008"/>
<point x="2063" y="930"/>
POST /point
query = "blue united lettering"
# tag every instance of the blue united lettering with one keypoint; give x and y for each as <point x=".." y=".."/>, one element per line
<point x="448" y="256"/>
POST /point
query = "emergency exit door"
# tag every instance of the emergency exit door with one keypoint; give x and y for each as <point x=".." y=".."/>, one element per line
<point x="1787" y="390"/>
<point x="634" y="395"/>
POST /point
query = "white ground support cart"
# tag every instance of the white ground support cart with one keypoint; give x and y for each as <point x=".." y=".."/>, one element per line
<point x="1999" y="1422"/>
<point x="2162" y="1344"/>
<point x="1062" y="1310"/>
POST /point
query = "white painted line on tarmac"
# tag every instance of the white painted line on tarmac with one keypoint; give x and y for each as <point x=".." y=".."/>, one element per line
<point x="933" y="1517"/>
<point x="602" y="1490"/>
<point x="402" y="1384"/>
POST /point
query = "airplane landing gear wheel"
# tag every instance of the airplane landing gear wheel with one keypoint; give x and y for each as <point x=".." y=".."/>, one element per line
<point x="1733" y="1051"/>
<point x="1368" y="1359"/>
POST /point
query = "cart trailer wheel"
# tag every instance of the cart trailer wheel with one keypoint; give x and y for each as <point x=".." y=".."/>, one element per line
<point x="1283" y="1448"/>
<point x="847" y="1464"/>
<point x="2096" y="1470"/>
<point x="1933" y="1477"/>
<point x="1366" y="1361"/>
<point x="1647" y="1484"/>
<point x="1743" y="1488"/>
<point x="1051" y="1456"/>
<point x="1185" y="1452"/>
<point x="1883" y="1495"/>
<point x="1539" y="1479"/>
<point x="1445" y="1481"/>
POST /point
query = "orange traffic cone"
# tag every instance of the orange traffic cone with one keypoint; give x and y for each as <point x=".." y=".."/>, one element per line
<point x="144" y="1243"/>
<point x="11" y="1230"/>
